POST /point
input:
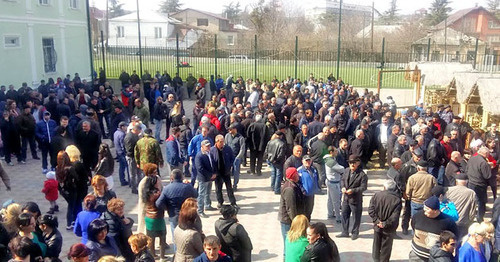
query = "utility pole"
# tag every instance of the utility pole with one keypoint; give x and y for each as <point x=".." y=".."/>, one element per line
<point x="373" y="21"/>
<point x="89" y="36"/>
<point x="338" y="40"/>
<point x="139" y="32"/>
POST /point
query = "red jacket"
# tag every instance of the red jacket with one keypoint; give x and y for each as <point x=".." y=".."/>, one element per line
<point x="213" y="120"/>
<point x="50" y="189"/>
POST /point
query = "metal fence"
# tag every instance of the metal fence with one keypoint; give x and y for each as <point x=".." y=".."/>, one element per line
<point x="357" y="68"/>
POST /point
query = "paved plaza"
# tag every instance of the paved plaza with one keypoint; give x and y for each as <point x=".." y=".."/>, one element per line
<point x="258" y="214"/>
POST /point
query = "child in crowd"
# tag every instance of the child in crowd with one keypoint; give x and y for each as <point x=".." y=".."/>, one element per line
<point x="140" y="243"/>
<point x="212" y="253"/>
<point x="50" y="190"/>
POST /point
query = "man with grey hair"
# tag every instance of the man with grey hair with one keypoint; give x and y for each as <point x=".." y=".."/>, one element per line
<point x="130" y="141"/>
<point x="453" y="168"/>
<point x="395" y="176"/>
<point x="88" y="141"/>
<point x="256" y="141"/>
<point x="385" y="207"/>
<point x="400" y="147"/>
<point x="479" y="171"/>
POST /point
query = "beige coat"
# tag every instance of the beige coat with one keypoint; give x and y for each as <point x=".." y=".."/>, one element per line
<point x="419" y="186"/>
<point x="189" y="244"/>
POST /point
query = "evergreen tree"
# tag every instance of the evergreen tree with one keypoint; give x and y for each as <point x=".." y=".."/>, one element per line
<point x="390" y="16"/>
<point x="232" y="11"/>
<point x="116" y="9"/>
<point x="170" y="6"/>
<point x="438" y="12"/>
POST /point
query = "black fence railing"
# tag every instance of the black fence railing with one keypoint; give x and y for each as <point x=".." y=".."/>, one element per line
<point x="357" y="68"/>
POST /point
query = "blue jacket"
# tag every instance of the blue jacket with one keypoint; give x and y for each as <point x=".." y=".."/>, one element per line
<point x="45" y="131"/>
<point x="173" y="195"/>
<point x="228" y="156"/>
<point x="174" y="157"/>
<point x="222" y="258"/>
<point x="309" y="182"/>
<point x="195" y="145"/>
<point x="204" y="168"/>
<point x="219" y="83"/>
<point x="82" y="221"/>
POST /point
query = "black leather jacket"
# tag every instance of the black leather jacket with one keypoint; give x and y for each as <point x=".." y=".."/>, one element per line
<point x="54" y="242"/>
<point x="144" y="256"/>
<point x="319" y="251"/>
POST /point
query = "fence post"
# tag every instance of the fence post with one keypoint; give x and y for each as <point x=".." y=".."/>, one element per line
<point x="103" y="55"/>
<point x="215" y="54"/>
<point x="475" y="53"/>
<point x="382" y="64"/>
<point x="89" y="36"/>
<point x="296" y="54"/>
<point x="255" y="60"/>
<point x="177" y="51"/>
<point x="338" y="40"/>
<point x="139" y="37"/>
<point x="428" y="50"/>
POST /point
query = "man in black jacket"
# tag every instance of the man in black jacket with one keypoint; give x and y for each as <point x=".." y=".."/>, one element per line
<point x="26" y="125"/>
<point x="295" y="160"/>
<point x="453" y="168"/>
<point x="256" y="133"/>
<point x="275" y="156"/>
<point x="88" y="141"/>
<point x="223" y="158"/>
<point x="233" y="236"/>
<point x="357" y="146"/>
<point x="391" y="141"/>
<point x="478" y="172"/>
<point x="384" y="209"/>
<point x="354" y="183"/>
<point x="436" y="156"/>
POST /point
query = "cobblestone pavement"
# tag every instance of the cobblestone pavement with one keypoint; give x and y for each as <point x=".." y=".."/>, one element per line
<point x="258" y="214"/>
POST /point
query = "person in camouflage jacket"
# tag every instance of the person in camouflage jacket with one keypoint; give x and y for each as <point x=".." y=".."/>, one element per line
<point x="148" y="150"/>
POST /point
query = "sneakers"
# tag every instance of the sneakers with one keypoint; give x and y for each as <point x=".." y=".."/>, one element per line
<point x="10" y="164"/>
<point x="45" y="170"/>
<point x="70" y="227"/>
<point x="343" y="235"/>
<point x="22" y="162"/>
<point x="202" y="214"/>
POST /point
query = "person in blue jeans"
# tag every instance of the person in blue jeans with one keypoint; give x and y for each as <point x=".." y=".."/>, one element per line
<point x="118" y="138"/>
<point x="275" y="156"/>
<point x="45" y="130"/>
<point x="237" y="143"/>
<point x="205" y="168"/>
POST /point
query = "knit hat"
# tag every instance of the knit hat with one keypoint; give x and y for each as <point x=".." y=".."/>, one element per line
<point x="50" y="175"/>
<point x="432" y="203"/>
<point x="461" y="176"/>
<point x="291" y="173"/>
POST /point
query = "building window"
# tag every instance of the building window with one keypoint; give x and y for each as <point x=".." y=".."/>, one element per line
<point x="202" y="22"/>
<point x="49" y="55"/>
<point x="493" y="38"/>
<point x="230" y="40"/>
<point x="158" y="32"/>
<point x="492" y="24"/>
<point x="73" y="4"/>
<point x="44" y="2"/>
<point x="120" y="31"/>
<point x="11" y="41"/>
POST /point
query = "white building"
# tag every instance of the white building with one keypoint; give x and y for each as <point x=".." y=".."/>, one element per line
<point x="317" y="9"/>
<point x="157" y="30"/>
<point x="43" y="39"/>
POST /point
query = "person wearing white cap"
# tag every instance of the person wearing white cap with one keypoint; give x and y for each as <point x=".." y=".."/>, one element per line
<point x="45" y="130"/>
<point x="205" y="169"/>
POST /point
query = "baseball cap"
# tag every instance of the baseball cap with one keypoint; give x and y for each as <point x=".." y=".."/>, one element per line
<point x="353" y="159"/>
<point x="306" y="157"/>
<point x="205" y="142"/>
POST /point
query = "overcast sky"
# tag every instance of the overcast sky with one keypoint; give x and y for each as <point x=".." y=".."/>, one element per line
<point x="216" y="6"/>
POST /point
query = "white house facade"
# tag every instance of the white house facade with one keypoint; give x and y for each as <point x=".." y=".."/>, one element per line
<point x="43" y="39"/>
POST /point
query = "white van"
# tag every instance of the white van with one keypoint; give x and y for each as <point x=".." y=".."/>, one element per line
<point x="239" y="57"/>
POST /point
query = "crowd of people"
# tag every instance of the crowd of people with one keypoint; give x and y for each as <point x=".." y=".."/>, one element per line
<point x="317" y="136"/>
